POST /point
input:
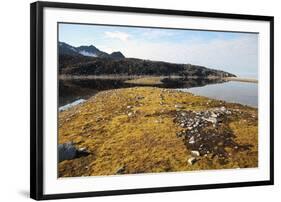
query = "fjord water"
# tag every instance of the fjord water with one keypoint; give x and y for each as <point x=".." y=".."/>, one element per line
<point x="231" y="91"/>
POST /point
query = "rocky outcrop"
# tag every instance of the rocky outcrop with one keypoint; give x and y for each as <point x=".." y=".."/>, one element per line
<point x="68" y="151"/>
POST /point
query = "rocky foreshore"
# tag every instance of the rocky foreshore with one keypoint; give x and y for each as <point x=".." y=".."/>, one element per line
<point x="207" y="133"/>
<point x="145" y="129"/>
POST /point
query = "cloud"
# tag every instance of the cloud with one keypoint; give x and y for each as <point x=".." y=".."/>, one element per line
<point x="238" y="55"/>
<point x="123" y="36"/>
<point x="157" y="33"/>
<point x="233" y="52"/>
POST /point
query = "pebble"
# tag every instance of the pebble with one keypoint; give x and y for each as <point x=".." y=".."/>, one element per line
<point x="191" y="140"/>
<point x="214" y="115"/>
<point x="179" y="106"/>
<point x="195" y="153"/>
<point x="183" y="113"/>
<point x="191" y="160"/>
<point x="83" y="149"/>
<point x="223" y="109"/>
<point x="120" y="170"/>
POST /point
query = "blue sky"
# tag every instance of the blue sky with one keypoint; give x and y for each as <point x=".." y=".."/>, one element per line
<point x="233" y="52"/>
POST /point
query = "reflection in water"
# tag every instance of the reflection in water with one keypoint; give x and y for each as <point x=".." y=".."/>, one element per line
<point x="71" y="90"/>
<point x="188" y="82"/>
<point x="239" y="92"/>
<point x="232" y="91"/>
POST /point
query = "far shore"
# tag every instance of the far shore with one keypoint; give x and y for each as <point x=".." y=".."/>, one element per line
<point x="114" y="76"/>
<point x="241" y="79"/>
<point x="159" y="78"/>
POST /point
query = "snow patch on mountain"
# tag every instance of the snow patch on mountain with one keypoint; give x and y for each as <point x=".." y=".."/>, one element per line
<point x="73" y="49"/>
<point x="86" y="53"/>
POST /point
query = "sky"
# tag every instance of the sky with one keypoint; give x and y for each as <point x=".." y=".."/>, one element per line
<point x="232" y="52"/>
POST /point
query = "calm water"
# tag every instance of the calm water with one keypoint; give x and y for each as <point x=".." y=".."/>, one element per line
<point x="232" y="91"/>
<point x="238" y="92"/>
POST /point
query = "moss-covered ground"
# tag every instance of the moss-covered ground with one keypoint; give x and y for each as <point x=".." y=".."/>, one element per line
<point x="134" y="130"/>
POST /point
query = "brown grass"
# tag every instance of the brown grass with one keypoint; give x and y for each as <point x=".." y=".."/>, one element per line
<point x="146" y="80"/>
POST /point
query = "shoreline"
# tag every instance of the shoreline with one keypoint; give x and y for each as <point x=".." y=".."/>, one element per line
<point x="113" y="76"/>
<point x="82" y="100"/>
<point x="241" y="79"/>
<point x="158" y="78"/>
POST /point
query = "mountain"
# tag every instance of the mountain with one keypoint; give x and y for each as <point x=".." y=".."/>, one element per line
<point x="117" y="55"/>
<point x="89" y="60"/>
<point x="84" y="66"/>
<point x="89" y="51"/>
<point x="65" y="49"/>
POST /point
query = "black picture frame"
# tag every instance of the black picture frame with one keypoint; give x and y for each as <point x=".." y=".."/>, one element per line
<point x="36" y="99"/>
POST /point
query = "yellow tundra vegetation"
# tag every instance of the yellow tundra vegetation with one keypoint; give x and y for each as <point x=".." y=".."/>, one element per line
<point x="133" y="131"/>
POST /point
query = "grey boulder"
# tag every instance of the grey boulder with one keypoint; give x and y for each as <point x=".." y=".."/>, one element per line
<point x="68" y="151"/>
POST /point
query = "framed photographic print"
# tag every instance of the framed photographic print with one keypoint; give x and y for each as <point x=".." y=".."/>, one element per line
<point x="135" y="100"/>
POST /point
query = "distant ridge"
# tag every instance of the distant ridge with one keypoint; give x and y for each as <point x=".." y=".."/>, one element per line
<point x="89" y="51"/>
<point x="89" y="60"/>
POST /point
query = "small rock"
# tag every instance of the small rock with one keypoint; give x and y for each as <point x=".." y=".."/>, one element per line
<point x="212" y="120"/>
<point x="120" y="170"/>
<point x="179" y="134"/>
<point x="129" y="107"/>
<point x="196" y="124"/>
<point x="158" y="121"/>
<point x="195" y="153"/>
<point x="228" y="112"/>
<point x="83" y="149"/>
<point x="214" y="115"/>
<point x="220" y="144"/>
<point x="183" y="114"/>
<point x="179" y="106"/>
<point x="191" y="140"/>
<point x="139" y="97"/>
<point x="191" y="160"/>
<point x="223" y="109"/>
<point x="130" y="114"/>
